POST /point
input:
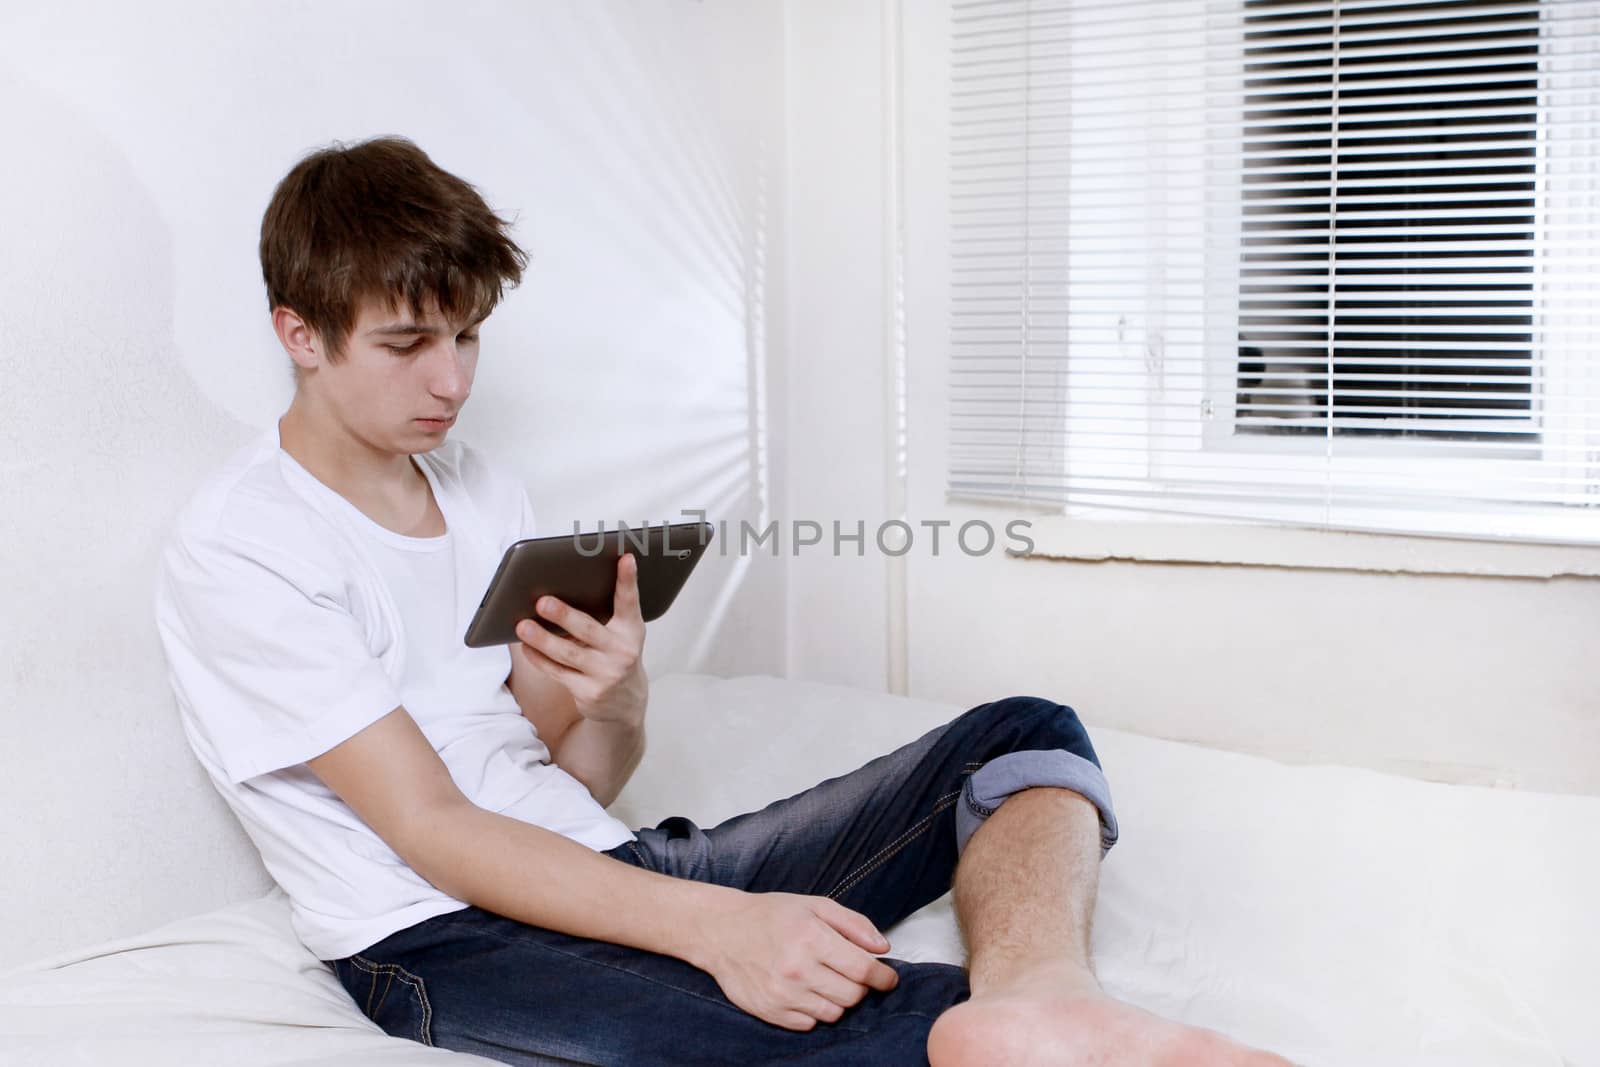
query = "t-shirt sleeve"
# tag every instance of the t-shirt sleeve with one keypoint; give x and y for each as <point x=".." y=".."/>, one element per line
<point x="265" y="653"/>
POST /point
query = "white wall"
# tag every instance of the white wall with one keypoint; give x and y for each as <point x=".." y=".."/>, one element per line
<point x="639" y="147"/>
<point x="1462" y="678"/>
<point x="833" y="355"/>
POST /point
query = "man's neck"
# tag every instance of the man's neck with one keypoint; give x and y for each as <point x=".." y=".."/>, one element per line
<point x="389" y="489"/>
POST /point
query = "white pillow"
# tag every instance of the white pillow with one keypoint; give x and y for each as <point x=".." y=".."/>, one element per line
<point x="232" y="987"/>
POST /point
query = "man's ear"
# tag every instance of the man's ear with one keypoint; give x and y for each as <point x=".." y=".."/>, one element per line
<point x="298" y="339"/>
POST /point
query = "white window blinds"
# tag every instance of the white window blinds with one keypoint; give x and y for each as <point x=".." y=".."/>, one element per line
<point x="1319" y="262"/>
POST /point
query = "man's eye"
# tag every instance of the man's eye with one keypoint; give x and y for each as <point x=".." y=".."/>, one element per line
<point x="407" y="348"/>
<point x="469" y="337"/>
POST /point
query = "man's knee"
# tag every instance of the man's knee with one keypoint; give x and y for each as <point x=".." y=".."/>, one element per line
<point x="1037" y="742"/>
<point x="1031" y="722"/>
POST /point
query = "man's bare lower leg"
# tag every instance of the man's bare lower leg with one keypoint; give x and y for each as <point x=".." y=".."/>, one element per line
<point x="1024" y="895"/>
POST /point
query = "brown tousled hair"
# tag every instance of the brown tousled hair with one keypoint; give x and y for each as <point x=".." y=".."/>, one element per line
<point x="379" y="220"/>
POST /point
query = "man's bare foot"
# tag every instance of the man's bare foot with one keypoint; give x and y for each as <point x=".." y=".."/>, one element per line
<point x="1064" y="1019"/>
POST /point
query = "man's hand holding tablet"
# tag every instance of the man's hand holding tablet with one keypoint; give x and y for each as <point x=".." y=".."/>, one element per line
<point x="599" y="664"/>
<point x="575" y="607"/>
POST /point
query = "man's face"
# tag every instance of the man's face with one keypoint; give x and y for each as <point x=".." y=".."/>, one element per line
<point x="403" y="378"/>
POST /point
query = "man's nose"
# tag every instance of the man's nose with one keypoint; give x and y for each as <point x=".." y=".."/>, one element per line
<point x="452" y="372"/>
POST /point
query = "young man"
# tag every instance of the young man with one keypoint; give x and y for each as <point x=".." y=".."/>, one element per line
<point x="436" y="814"/>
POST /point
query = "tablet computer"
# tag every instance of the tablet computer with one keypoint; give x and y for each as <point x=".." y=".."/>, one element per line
<point x="581" y="570"/>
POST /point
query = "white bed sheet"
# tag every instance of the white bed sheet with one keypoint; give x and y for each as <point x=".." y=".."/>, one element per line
<point x="1338" y="916"/>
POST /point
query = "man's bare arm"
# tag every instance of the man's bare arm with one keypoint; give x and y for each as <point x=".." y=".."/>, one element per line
<point x="601" y="755"/>
<point x="788" y="959"/>
<point x="390" y="776"/>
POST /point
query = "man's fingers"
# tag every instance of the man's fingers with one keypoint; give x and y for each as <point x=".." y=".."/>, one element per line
<point x="881" y="976"/>
<point x="625" y="601"/>
<point x="820" y="1008"/>
<point x="834" y="987"/>
<point x="579" y="624"/>
<point x="851" y="956"/>
<point x="545" y="663"/>
<point x="852" y="924"/>
<point x="562" y="650"/>
<point x="860" y="968"/>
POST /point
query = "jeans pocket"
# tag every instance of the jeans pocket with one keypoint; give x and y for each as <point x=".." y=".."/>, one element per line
<point x="392" y="997"/>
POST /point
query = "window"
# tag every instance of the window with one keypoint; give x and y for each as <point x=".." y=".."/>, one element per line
<point x="1325" y="263"/>
<point x="1422" y="287"/>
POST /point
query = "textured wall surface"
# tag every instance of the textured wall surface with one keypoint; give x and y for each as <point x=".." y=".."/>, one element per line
<point x="633" y="145"/>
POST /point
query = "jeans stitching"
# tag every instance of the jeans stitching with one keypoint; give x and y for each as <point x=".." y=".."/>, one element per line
<point x="634" y="846"/>
<point x="372" y="985"/>
<point x="726" y="1004"/>
<point x="393" y="970"/>
<point x="893" y="848"/>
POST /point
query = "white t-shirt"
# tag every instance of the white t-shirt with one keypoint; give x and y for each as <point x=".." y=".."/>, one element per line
<point x="291" y="621"/>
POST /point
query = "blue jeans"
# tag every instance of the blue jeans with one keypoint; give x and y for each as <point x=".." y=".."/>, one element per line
<point x="882" y="840"/>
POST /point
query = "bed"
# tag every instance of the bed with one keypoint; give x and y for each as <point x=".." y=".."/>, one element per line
<point x="1338" y="916"/>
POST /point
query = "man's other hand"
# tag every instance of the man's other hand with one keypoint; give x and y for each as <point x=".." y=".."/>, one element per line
<point x="793" y="960"/>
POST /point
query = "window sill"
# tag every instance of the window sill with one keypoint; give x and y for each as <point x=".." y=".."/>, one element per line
<point x="1101" y="540"/>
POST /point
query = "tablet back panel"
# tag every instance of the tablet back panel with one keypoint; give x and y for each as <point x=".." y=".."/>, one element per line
<point x="581" y="569"/>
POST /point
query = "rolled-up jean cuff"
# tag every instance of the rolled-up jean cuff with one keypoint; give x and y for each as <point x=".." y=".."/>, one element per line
<point x="990" y="784"/>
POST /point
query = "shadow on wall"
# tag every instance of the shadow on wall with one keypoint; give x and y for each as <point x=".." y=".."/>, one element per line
<point x="103" y="440"/>
<point x="657" y="249"/>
